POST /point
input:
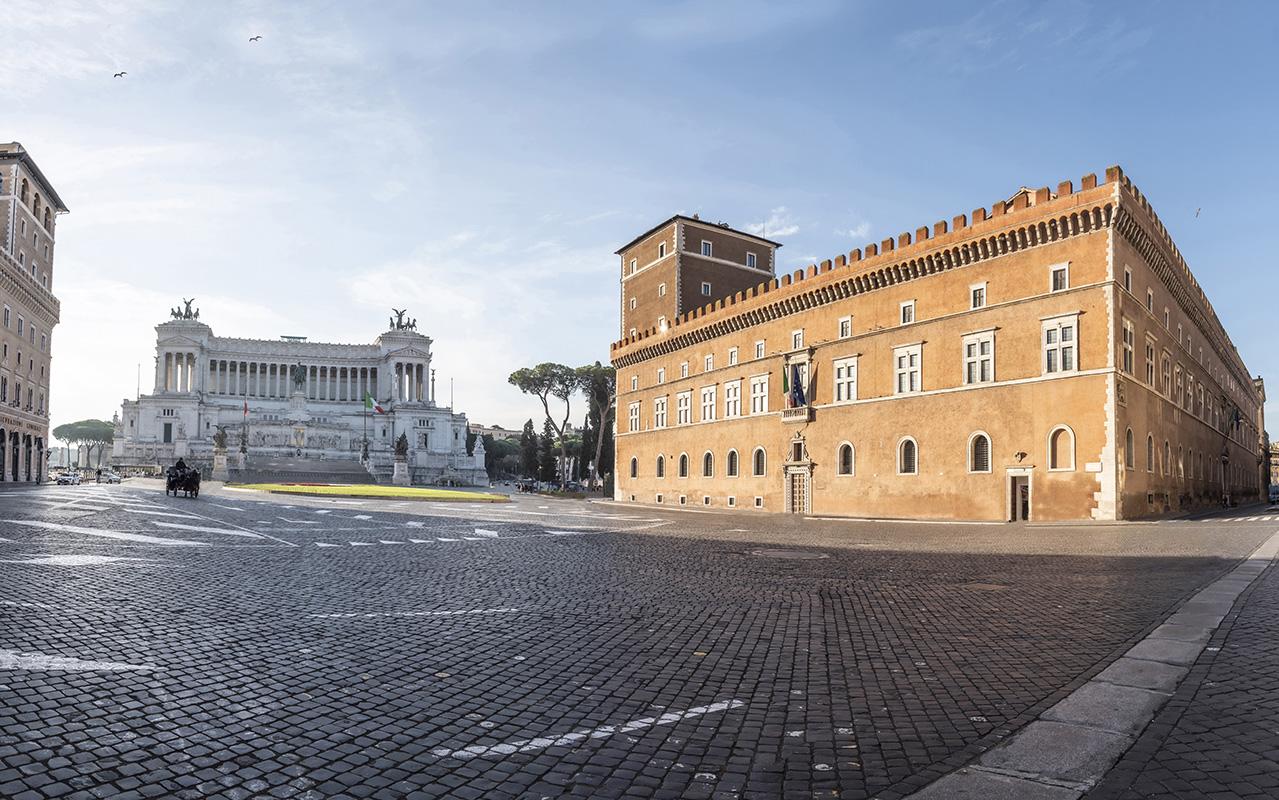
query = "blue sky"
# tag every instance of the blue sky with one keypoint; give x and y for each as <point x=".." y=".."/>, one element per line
<point x="480" y="162"/>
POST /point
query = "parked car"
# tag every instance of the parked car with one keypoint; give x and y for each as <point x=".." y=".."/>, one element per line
<point x="69" y="479"/>
<point x="110" y="477"/>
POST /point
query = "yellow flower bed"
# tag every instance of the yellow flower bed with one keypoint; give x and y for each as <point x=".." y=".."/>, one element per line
<point x="376" y="490"/>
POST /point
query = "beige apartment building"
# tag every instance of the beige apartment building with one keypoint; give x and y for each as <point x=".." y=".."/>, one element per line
<point x="29" y="207"/>
<point x="1048" y="358"/>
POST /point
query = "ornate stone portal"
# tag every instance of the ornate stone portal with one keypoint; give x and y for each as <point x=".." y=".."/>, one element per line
<point x="304" y="400"/>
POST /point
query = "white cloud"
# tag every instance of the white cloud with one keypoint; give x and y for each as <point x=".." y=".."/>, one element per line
<point x="859" y="231"/>
<point x="779" y="224"/>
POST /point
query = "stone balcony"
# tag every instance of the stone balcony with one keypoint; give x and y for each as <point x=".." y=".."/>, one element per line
<point x="801" y="414"/>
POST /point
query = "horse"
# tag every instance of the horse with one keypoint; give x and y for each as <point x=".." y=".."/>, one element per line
<point x="187" y="481"/>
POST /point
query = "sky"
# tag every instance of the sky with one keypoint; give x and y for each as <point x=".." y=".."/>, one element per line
<point x="480" y="162"/>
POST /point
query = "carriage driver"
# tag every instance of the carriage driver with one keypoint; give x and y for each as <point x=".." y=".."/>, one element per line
<point x="180" y="467"/>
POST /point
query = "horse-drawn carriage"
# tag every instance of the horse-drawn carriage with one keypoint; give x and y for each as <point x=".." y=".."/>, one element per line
<point x="182" y="479"/>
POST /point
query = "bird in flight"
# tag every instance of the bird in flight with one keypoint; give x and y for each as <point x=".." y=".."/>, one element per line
<point x="255" y="38"/>
<point x="119" y="74"/>
<point x="1197" y="210"/>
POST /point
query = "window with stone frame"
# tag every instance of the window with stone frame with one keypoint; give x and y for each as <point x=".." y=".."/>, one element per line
<point x="979" y="357"/>
<point x="708" y="403"/>
<point x="732" y="399"/>
<point x="683" y="408"/>
<point x="759" y="394"/>
<point x="907" y="369"/>
<point x="845" y="370"/>
<point x="659" y="412"/>
<point x="633" y="417"/>
<point x="1129" y="347"/>
<point x="1060" y="337"/>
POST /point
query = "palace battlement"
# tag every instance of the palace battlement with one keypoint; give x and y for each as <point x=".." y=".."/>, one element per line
<point x="1006" y="226"/>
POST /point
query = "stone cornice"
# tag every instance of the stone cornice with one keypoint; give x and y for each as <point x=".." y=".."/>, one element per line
<point x="38" y="301"/>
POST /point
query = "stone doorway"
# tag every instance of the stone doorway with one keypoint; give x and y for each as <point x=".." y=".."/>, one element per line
<point x="1019" y="495"/>
<point x="798" y="492"/>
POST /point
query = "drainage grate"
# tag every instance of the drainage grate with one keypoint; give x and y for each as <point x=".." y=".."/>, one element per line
<point x="802" y="555"/>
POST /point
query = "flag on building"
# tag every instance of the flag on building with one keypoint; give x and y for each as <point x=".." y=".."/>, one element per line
<point x="372" y="405"/>
<point x="797" y="388"/>
<point x="785" y="388"/>
<point x="246" y="409"/>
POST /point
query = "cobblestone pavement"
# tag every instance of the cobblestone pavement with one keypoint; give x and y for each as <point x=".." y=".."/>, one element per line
<point x="238" y="646"/>
<point x="1219" y="735"/>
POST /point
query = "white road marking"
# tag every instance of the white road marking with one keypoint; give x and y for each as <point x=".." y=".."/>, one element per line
<point x="604" y="731"/>
<point x="565" y="533"/>
<point x="361" y="544"/>
<point x="158" y="513"/>
<point x="421" y="541"/>
<point x="489" y="534"/>
<point x="361" y="516"/>
<point x="415" y="524"/>
<point x="300" y="521"/>
<point x="11" y="659"/>
<point x="445" y="539"/>
<point x="350" y="502"/>
<point x="229" y="508"/>
<point x="106" y="534"/>
<point x="70" y="560"/>
<point x="18" y="604"/>
<point x="354" y="615"/>
<point x="473" y="538"/>
<point x="384" y="541"/>
<point x="326" y="544"/>
<point x="325" y="511"/>
<point x="203" y="529"/>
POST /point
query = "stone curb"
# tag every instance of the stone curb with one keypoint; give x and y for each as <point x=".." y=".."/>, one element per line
<point x="1073" y="744"/>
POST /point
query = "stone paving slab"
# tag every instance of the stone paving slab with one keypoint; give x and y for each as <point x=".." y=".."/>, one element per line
<point x="1107" y="707"/>
<point x="975" y="784"/>
<point x="1168" y="651"/>
<point x="1154" y="675"/>
<point x="1058" y="751"/>
<point x="1183" y="633"/>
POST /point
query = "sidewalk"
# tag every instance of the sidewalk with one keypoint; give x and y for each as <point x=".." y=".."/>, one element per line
<point x="1218" y="737"/>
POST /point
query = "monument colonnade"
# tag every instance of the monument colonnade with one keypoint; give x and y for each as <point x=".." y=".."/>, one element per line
<point x="180" y="371"/>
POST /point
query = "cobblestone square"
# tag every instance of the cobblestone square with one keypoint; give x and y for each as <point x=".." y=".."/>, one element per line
<point x="243" y="645"/>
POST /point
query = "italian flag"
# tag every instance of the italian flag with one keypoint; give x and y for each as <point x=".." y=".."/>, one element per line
<point x="372" y="405"/>
<point x="786" y="398"/>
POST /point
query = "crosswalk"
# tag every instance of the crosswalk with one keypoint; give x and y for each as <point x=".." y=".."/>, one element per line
<point x="481" y="535"/>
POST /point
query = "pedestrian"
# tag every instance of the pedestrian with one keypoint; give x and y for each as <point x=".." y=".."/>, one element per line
<point x="99" y="475"/>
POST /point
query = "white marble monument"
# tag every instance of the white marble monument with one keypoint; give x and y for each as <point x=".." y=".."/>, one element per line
<point x="297" y="400"/>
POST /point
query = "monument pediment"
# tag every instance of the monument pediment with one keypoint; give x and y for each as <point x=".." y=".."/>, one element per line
<point x="409" y="352"/>
<point x="180" y="339"/>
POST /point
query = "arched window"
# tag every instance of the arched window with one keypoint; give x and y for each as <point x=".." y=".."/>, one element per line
<point x="35" y="206"/>
<point x="760" y="461"/>
<point x="634" y="467"/>
<point x="1167" y="458"/>
<point x="907" y="457"/>
<point x="1181" y="461"/>
<point x="23" y="194"/>
<point x="46" y="218"/>
<point x="731" y="469"/>
<point x="1130" y="458"/>
<point x="661" y="466"/>
<point x="1061" y="449"/>
<point x="979" y="452"/>
<point x="1150" y="453"/>
<point x="845" y="460"/>
<point x="708" y="464"/>
<point x="683" y="465"/>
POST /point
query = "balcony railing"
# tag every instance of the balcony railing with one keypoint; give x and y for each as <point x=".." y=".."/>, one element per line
<point x="801" y="414"/>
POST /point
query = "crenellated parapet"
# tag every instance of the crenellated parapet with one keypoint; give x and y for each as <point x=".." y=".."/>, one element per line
<point x="1031" y="218"/>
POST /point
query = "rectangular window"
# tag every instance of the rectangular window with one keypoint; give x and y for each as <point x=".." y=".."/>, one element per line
<point x="979" y="357"/>
<point x="845" y="327"/>
<point x="1127" y="280"/>
<point x="1060" y="279"/>
<point x="683" y="408"/>
<point x="796" y="340"/>
<point x="1167" y="320"/>
<point x="1130" y="346"/>
<point x="759" y="394"/>
<point x="1179" y="333"/>
<point x="1150" y="300"/>
<point x="632" y="304"/>
<point x="6" y="316"/>
<point x="661" y="323"/>
<point x="706" y="248"/>
<point x="168" y="432"/>
<point x="661" y="249"/>
<point x="759" y="349"/>
<point x="634" y="417"/>
<point x="634" y="383"/>
<point x="659" y="412"/>
<point x="845" y="379"/>
<point x="977" y="295"/>
<point x="706" y="289"/>
<point x="732" y="356"/>
<point x="683" y="369"/>
<point x="733" y="399"/>
<point x="1150" y="363"/>
<point x="908" y="312"/>
<point x="634" y="265"/>
<point x="661" y="375"/>
<point x="708" y="363"/>
<point x="21" y="326"/>
<point x="708" y="403"/>
<point x="906" y="368"/>
<point x="750" y="260"/>
<point x="1060" y="344"/>
<point x="661" y="290"/>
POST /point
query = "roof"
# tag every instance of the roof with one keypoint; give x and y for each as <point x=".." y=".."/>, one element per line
<point x="14" y="151"/>
<point x="684" y="218"/>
